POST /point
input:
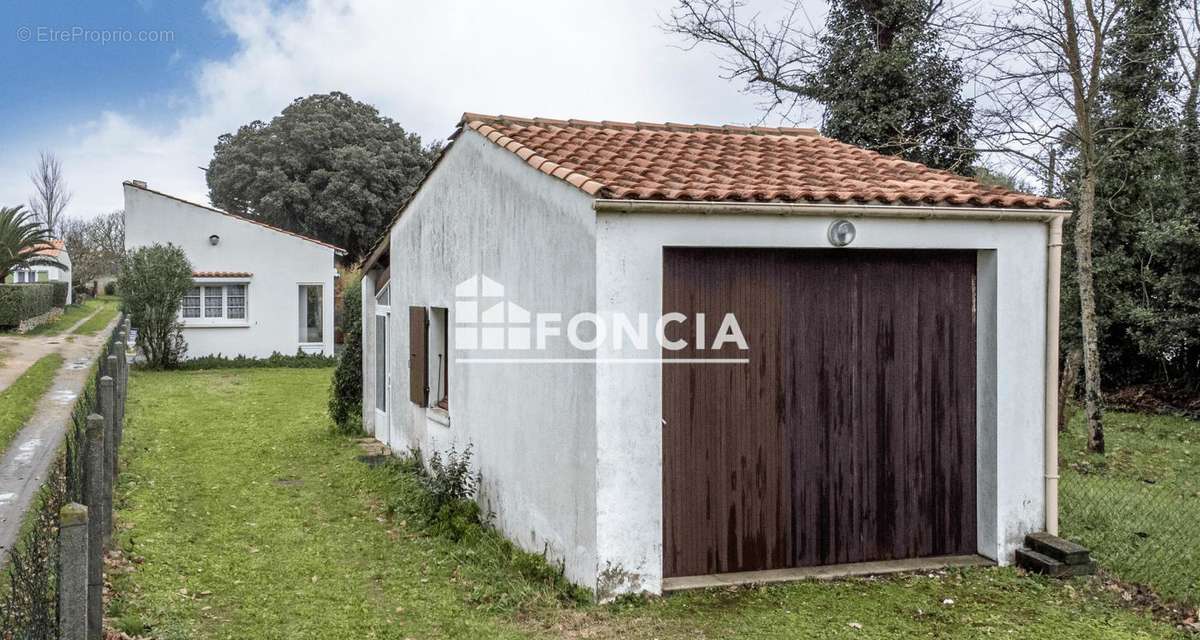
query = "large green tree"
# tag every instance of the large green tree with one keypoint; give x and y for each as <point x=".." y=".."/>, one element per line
<point x="327" y="166"/>
<point x="878" y="71"/>
<point x="887" y="84"/>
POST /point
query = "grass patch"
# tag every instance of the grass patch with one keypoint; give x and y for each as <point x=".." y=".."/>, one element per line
<point x="109" y="310"/>
<point x="18" y="401"/>
<point x="73" y="314"/>
<point x="1138" y="506"/>
<point x="250" y="519"/>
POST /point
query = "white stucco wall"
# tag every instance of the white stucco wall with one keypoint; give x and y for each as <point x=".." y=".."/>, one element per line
<point x="278" y="261"/>
<point x="1011" y="347"/>
<point x="531" y="426"/>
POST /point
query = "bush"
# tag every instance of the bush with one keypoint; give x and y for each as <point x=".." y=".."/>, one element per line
<point x="110" y="288"/>
<point x="60" y="293"/>
<point x="345" y="394"/>
<point x="24" y="301"/>
<point x="154" y="280"/>
<point x="275" y="361"/>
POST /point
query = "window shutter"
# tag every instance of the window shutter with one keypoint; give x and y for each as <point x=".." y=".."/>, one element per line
<point x="418" y="357"/>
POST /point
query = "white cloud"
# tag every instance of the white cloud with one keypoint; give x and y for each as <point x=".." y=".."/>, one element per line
<point x="420" y="63"/>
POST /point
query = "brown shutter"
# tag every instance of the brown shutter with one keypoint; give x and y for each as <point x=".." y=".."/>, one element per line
<point x="418" y="358"/>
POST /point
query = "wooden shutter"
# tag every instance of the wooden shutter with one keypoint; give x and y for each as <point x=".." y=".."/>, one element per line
<point x="418" y="357"/>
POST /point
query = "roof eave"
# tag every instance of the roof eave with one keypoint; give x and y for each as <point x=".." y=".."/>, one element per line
<point x="608" y="205"/>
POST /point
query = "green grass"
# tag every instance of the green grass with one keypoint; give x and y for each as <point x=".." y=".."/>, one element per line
<point x="72" y="315"/>
<point x="18" y="401"/>
<point x="1138" y="506"/>
<point x="248" y="519"/>
<point x="98" y="322"/>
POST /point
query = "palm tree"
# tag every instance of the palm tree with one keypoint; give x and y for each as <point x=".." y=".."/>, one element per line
<point x="22" y="238"/>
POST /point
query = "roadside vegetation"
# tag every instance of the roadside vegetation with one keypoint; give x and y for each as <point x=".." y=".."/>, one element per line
<point x="72" y="315"/>
<point x="19" y="400"/>
<point x="109" y="309"/>
<point x="244" y="515"/>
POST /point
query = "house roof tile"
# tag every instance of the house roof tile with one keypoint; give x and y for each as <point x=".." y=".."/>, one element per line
<point x="670" y="161"/>
<point x="221" y="274"/>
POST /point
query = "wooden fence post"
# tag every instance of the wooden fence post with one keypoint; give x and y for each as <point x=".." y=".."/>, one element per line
<point x="73" y="572"/>
<point x="107" y="408"/>
<point x="94" y="476"/>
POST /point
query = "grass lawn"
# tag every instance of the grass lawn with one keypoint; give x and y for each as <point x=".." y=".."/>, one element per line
<point x="1138" y="506"/>
<point x="109" y="310"/>
<point x="246" y="518"/>
<point x="73" y="314"/>
<point x="18" y="401"/>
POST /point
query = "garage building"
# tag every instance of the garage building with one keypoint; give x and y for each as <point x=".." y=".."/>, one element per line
<point x="686" y="354"/>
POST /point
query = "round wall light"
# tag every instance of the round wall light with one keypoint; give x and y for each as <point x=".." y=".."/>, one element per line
<point x="841" y="233"/>
<point x="214" y="239"/>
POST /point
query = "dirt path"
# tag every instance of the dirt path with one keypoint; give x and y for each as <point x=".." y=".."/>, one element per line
<point x="20" y="352"/>
<point x="25" y="463"/>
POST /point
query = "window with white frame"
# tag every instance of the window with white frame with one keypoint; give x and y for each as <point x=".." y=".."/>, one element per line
<point x="215" y="302"/>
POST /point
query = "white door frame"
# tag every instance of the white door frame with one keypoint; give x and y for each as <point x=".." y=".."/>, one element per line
<point x="383" y="422"/>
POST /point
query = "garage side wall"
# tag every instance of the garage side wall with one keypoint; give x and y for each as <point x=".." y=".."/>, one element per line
<point x="531" y="426"/>
<point x="1010" y="369"/>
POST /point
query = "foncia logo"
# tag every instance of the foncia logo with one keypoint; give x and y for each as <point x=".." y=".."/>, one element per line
<point x="485" y="320"/>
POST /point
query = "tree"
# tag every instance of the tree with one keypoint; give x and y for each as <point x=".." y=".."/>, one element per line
<point x="22" y="237"/>
<point x="327" y="166"/>
<point x="1138" y="193"/>
<point x="1044" y="60"/>
<point x="153" y="282"/>
<point x="345" y="394"/>
<point x="879" y="71"/>
<point x="52" y="195"/>
<point x="96" y="245"/>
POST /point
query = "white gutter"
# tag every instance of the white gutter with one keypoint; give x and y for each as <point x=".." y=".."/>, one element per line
<point x="1054" y="218"/>
<point x="602" y="205"/>
<point x="1053" y="284"/>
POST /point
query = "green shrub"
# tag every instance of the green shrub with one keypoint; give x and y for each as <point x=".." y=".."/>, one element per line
<point x="23" y="301"/>
<point x="275" y="361"/>
<point x="448" y="481"/>
<point x="154" y="280"/>
<point x="60" y="293"/>
<point x="345" y="394"/>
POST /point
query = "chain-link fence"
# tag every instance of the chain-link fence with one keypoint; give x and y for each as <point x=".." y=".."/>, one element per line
<point x="1137" y="507"/>
<point x="29" y="595"/>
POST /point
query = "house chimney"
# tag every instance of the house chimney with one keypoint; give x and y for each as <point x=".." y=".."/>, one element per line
<point x="141" y="184"/>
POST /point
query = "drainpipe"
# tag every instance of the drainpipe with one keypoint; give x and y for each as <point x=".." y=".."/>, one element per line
<point x="1053" y="284"/>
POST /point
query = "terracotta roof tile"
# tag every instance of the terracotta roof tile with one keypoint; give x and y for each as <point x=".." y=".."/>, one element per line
<point x="221" y="274"/>
<point x="669" y="161"/>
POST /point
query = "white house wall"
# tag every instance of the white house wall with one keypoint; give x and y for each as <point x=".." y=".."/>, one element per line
<point x="1011" y="347"/>
<point x="531" y="427"/>
<point x="278" y="261"/>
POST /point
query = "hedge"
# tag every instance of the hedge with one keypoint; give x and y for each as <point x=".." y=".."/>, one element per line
<point x="60" y="293"/>
<point x="23" y="301"/>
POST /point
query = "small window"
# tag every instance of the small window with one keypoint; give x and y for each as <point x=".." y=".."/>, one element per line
<point x="439" y="364"/>
<point x="213" y="303"/>
<point x="310" y="313"/>
<point x="384" y="297"/>
<point x="191" y="303"/>
<point x="235" y="301"/>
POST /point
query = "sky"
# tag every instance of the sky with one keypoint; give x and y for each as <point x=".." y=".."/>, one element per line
<point x="141" y="90"/>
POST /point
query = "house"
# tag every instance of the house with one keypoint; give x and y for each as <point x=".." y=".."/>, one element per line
<point x="257" y="289"/>
<point x="679" y="351"/>
<point x="47" y="273"/>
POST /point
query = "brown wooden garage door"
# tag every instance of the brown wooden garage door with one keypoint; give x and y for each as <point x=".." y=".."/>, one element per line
<point x="850" y="434"/>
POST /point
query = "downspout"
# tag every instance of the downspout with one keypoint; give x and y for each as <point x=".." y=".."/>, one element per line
<point x="1053" y="288"/>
